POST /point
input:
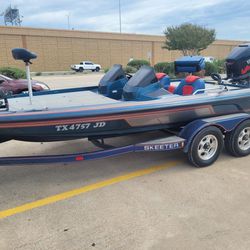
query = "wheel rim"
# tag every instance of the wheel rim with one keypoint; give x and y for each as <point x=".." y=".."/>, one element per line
<point x="207" y="147"/>
<point x="244" y="139"/>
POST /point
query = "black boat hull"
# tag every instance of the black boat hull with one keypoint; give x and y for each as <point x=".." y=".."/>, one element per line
<point x="121" y="123"/>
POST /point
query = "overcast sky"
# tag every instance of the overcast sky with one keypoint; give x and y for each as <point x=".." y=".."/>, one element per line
<point x="230" y="18"/>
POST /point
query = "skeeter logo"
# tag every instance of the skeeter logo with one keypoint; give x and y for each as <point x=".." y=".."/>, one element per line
<point x="80" y="126"/>
<point x="163" y="147"/>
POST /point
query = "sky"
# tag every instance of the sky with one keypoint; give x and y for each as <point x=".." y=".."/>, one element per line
<point x="230" y="18"/>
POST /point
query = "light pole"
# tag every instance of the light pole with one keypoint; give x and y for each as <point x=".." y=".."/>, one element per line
<point x="120" y="17"/>
<point x="68" y="21"/>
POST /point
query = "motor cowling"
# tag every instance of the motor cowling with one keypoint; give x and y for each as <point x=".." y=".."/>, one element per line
<point x="238" y="63"/>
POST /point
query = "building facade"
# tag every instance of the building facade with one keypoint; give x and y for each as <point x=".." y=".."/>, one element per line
<point x="58" y="49"/>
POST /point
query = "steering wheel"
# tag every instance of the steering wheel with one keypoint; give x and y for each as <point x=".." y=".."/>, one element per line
<point x="216" y="77"/>
<point x="128" y="75"/>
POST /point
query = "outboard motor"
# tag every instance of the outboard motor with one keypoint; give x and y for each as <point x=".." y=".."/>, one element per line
<point x="238" y="63"/>
<point x="112" y="83"/>
<point x="143" y="86"/>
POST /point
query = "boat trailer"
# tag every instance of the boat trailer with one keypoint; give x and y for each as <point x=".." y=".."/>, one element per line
<point x="201" y="139"/>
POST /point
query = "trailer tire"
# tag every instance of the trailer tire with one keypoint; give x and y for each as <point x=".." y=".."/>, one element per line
<point x="237" y="142"/>
<point x="206" y="147"/>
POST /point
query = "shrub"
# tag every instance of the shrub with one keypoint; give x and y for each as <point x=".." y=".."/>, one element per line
<point x="210" y="68"/>
<point x="106" y="70"/>
<point x="220" y="64"/>
<point x="138" y="63"/>
<point x="13" y="72"/>
<point x="130" y="69"/>
<point x="201" y="73"/>
<point x="165" y="67"/>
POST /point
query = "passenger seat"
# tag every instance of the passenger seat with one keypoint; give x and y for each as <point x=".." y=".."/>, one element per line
<point x="190" y="85"/>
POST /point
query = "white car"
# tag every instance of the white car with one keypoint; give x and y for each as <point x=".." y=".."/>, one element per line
<point x="209" y="59"/>
<point x="86" y="65"/>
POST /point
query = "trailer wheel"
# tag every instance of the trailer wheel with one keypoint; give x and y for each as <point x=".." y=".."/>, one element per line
<point x="206" y="147"/>
<point x="237" y="142"/>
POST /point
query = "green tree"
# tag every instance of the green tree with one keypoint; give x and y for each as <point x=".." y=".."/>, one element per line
<point x="188" y="38"/>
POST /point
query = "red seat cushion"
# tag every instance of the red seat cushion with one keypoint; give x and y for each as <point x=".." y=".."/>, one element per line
<point x="159" y="76"/>
<point x="190" y="85"/>
<point x="188" y="90"/>
<point x="171" y="89"/>
<point x="191" y="79"/>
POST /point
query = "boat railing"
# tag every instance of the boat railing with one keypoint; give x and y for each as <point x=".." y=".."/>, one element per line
<point x="218" y="89"/>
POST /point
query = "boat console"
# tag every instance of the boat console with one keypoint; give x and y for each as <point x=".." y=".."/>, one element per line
<point x="112" y="83"/>
<point x="143" y="86"/>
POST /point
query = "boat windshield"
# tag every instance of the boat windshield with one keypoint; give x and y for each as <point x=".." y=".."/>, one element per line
<point x="143" y="77"/>
<point x="115" y="73"/>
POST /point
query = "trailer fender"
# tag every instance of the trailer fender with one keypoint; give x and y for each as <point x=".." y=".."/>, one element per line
<point x="226" y="123"/>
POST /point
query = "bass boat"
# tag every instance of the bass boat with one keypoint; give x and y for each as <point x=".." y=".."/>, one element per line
<point x="123" y="104"/>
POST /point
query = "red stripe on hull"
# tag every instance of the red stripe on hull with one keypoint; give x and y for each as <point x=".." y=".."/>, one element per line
<point x="99" y="118"/>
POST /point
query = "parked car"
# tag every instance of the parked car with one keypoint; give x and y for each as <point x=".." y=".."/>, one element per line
<point x="209" y="59"/>
<point x="9" y="86"/>
<point x="86" y="65"/>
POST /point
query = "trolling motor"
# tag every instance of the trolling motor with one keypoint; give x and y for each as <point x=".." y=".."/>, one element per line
<point x="25" y="56"/>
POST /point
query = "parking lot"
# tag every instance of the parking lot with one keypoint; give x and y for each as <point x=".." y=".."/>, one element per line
<point x="134" y="201"/>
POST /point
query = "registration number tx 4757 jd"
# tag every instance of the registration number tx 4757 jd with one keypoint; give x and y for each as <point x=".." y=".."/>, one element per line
<point x="80" y="126"/>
